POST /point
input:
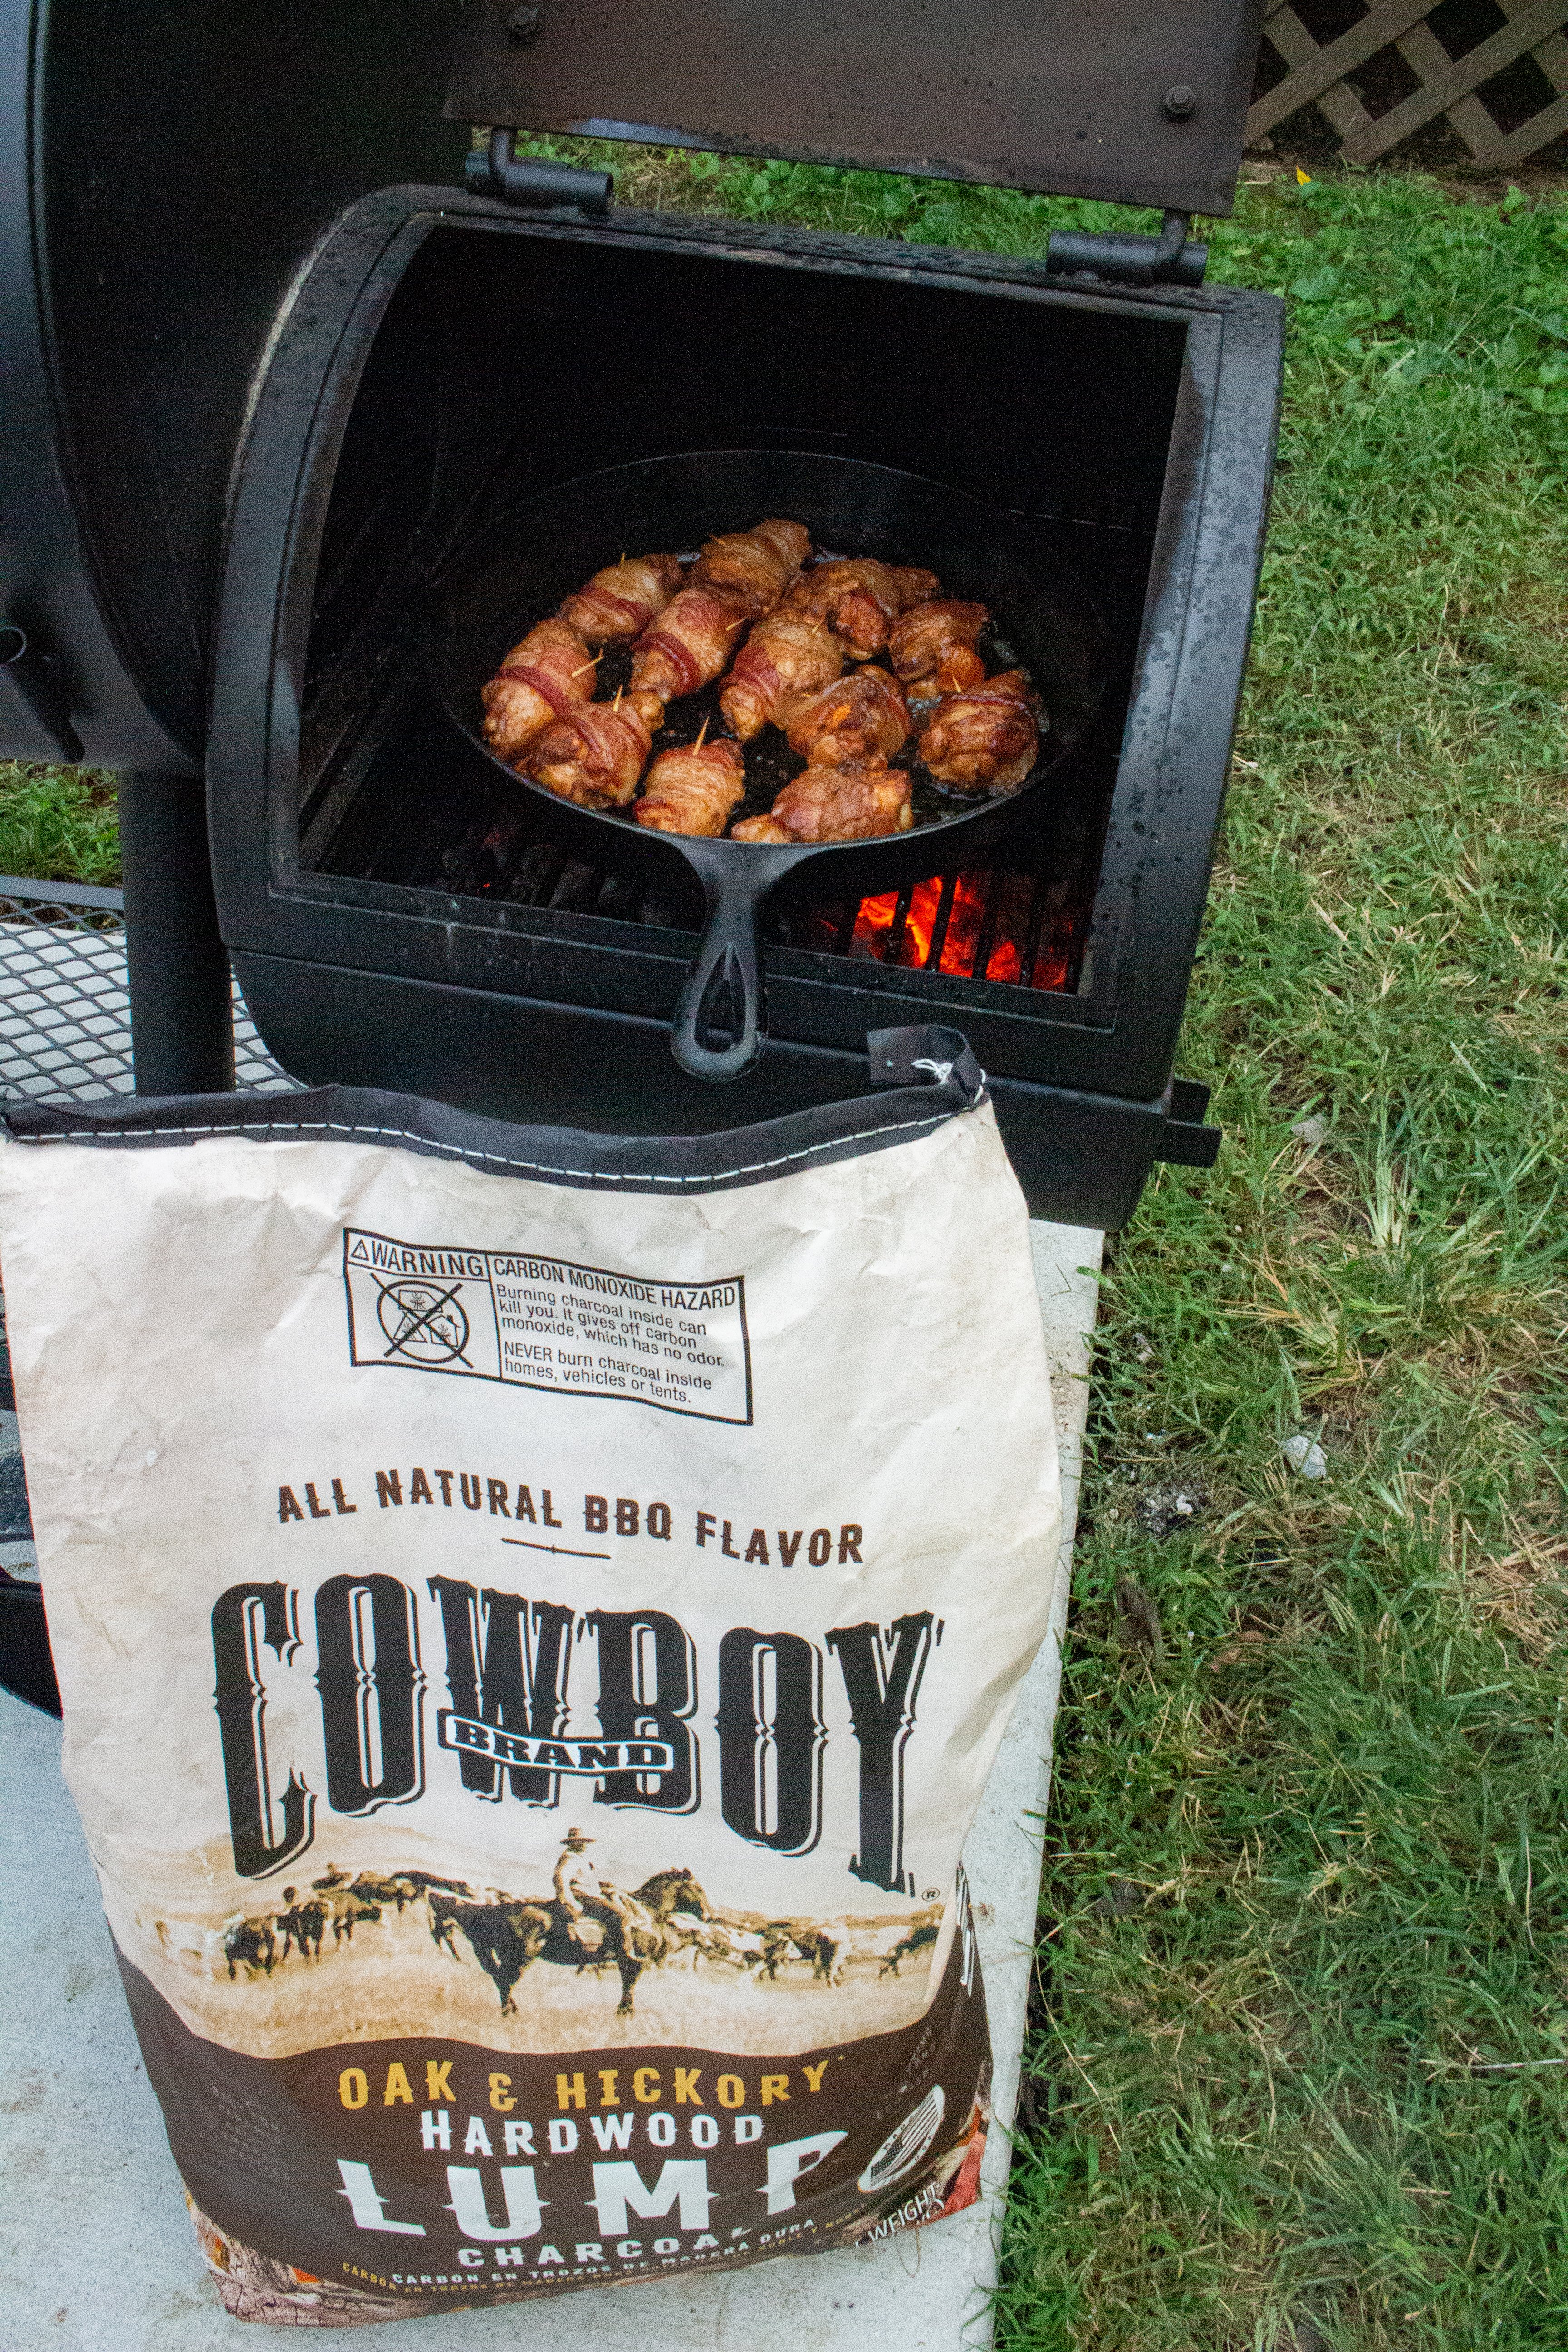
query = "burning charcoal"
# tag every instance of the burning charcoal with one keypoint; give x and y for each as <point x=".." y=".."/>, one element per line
<point x="577" y="884"/>
<point x="536" y="875"/>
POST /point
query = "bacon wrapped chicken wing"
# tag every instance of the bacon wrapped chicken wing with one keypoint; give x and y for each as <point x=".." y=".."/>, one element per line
<point x="857" y="801"/>
<point x="850" y="719"/>
<point x="860" y="599"/>
<point x="595" y="756"/>
<point x="689" y="646"/>
<point x="987" y="739"/>
<point x="549" y="674"/>
<point x="785" y="657"/>
<point x="933" y="647"/>
<point x="619" y="603"/>
<point x="753" y="567"/>
<point x="693" y="789"/>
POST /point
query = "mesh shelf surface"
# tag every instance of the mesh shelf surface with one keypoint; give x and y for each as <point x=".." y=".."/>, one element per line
<point x="65" y="1018"/>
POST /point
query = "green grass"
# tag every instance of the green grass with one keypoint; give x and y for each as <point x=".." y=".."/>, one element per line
<point x="1320" y="2069"/>
<point x="57" y="824"/>
<point x="1311" y="2087"/>
<point x="1311" y="2069"/>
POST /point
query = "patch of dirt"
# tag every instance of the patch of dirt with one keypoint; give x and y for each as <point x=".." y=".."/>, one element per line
<point x="1173" y="1504"/>
<point x="1464" y="185"/>
<point x="1138" y="1621"/>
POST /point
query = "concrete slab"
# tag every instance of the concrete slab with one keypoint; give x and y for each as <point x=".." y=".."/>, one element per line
<point x="96" y="2251"/>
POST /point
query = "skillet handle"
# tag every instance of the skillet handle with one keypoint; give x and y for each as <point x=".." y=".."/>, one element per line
<point x="723" y="990"/>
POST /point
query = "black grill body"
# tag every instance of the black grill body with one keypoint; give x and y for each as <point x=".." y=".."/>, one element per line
<point x="264" y="377"/>
<point x="445" y="355"/>
<point x="167" y="168"/>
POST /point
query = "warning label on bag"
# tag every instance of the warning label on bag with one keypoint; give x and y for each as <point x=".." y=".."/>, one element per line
<point x="544" y="1323"/>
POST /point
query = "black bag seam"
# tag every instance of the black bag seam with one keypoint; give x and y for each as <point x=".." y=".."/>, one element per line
<point x="430" y="1144"/>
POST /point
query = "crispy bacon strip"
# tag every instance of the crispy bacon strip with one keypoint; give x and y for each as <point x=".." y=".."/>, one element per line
<point x="932" y="645"/>
<point x="850" y="719"/>
<point x="984" y="740"/>
<point x="857" y="801"/>
<point x="785" y="656"/>
<point x="916" y="584"/>
<point x="594" y="757"/>
<point x="542" y="678"/>
<point x="693" y="789"/>
<point x="860" y="599"/>
<point x="649" y="708"/>
<point x="687" y="646"/>
<point x="619" y="603"/>
<point x="753" y="566"/>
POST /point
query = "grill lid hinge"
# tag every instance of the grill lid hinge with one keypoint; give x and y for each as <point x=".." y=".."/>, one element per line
<point x="1167" y="260"/>
<point x="538" y="186"/>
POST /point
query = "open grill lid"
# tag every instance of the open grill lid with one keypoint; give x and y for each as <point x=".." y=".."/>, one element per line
<point x="1138" y="101"/>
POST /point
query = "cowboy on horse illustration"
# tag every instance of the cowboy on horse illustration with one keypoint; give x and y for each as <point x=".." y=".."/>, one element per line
<point x="582" y="1894"/>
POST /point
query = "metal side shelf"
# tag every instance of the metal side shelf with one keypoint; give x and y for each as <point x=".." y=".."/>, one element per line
<point x="65" y="1021"/>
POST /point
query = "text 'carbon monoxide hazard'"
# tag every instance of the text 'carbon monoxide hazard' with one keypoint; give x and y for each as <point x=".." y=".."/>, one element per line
<point x="544" y="1323"/>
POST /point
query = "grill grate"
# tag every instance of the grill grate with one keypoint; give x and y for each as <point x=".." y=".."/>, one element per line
<point x="1016" y="925"/>
<point x="405" y="804"/>
<point x="65" y="1016"/>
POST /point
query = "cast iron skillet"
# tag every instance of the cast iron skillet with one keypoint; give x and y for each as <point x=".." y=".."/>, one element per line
<point x="522" y="565"/>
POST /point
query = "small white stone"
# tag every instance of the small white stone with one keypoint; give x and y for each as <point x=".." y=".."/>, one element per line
<point x="1311" y="1131"/>
<point x="151" y="1455"/>
<point x="1304" y="1454"/>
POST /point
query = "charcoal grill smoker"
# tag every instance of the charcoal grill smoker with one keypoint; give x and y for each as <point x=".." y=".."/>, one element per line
<point x="276" y="343"/>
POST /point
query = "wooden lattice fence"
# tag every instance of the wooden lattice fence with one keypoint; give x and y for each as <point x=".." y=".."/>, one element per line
<point x="1323" y="72"/>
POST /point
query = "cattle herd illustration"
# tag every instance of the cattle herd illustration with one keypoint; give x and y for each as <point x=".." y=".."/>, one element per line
<point x="666" y="1921"/>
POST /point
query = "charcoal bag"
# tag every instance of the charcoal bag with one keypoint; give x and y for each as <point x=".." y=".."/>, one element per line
<point x="534" y="1613"/>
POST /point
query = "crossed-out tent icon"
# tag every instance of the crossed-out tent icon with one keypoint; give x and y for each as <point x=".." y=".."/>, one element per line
<point x="423" y="1324"/>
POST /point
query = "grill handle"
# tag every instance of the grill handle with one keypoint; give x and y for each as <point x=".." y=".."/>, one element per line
<point x="721" y="999"/>
<point x="1117" y="258"/>
<point x="536" y="184"/>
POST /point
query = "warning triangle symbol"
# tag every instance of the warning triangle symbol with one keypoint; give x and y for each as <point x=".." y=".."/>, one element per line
<point x="358" y="1255"/>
